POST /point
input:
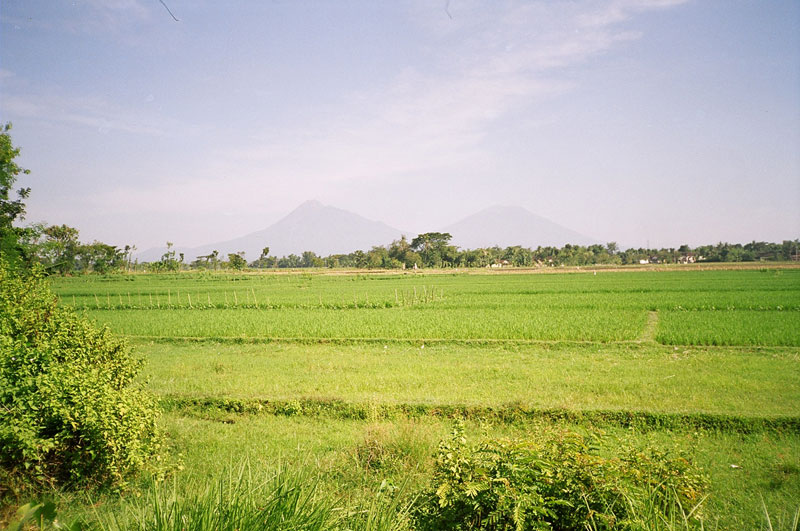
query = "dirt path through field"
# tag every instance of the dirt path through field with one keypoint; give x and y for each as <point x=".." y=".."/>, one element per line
<point x="650" y="328"/>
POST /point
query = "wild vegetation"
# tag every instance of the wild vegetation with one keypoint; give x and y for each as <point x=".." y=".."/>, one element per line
<point x="70" y="412"/>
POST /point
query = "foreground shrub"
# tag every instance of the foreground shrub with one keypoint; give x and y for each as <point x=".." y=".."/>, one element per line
<point x="557" y="481"/>
<point x="70" y="412"/>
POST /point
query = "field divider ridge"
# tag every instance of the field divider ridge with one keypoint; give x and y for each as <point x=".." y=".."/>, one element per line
<point x="265" y="340"/>
<point x="334" y="408"/>
<point x="360" y="340"/>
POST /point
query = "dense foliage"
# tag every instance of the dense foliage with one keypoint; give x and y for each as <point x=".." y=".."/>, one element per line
<point x="58" y="249"/>
<point x="557" y="481"/>
<point x="12" y="207"/>
<point x="70" y="411"/>
<point x="433" y="250"/>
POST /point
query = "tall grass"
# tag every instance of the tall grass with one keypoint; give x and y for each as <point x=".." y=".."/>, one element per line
<point x="242" y="499"/>
<point x="779" y="524"/>
<point x="652" y="510"/>
<point x="387" y="511"/>
<point x="245" y="499"/>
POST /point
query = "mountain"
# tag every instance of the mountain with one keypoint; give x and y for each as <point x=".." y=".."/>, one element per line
<point x="512" y="225"/>
<point x="328" y="230"/>
<point x="310" y="227"/>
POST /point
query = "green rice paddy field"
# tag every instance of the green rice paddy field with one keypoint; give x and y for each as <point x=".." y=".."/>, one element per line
<point x="303" y="368"/>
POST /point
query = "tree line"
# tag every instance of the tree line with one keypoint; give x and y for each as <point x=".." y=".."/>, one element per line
<point x="433" y="250"/>
<point x="58" y="250"/>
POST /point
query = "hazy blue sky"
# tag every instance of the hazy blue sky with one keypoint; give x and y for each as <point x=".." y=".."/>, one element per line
<point x="633" y="120"/>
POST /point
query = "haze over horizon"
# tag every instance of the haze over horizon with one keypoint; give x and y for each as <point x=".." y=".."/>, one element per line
<point x="636" y="121"/>
<point x="327" y="230"/>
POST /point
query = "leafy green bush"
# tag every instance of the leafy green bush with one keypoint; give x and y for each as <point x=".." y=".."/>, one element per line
<point x="557" y="481"/>
<point x="70" y="412"/>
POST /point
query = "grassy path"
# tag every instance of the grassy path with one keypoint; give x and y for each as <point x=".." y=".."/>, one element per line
<point x="650" y="328"/>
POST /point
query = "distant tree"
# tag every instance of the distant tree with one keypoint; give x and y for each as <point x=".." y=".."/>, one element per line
<point x="201" y="262"/>
<point x="359" y="259"/>
<point x="472" y="258"/>
<point x="430" y="240"/>
<point x="434" y="249"/>
<point x="99" y="257"/>
<point x="605" y="255"/>
<point x="310" y="259"/>
<point x="128" y="253"/>
<point x="264" y="260"/>
<point x="59" y="250"/>
<point x="341" y="260"/>
<point x="291" y="261"/>
<point x="518" y="256"/>
<point x="168" y="261"/>
<point x="12" y="205"/>
<point x="786" y="250"/>
<point x="236" y="261"/>
<point x="378" y="257"/>
<point x="402" y="252"/>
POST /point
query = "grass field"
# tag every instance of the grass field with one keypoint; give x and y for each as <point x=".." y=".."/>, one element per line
<point x="649" y="378"/>
<point x="751" y="307"/>
<point x="302" y="369"/>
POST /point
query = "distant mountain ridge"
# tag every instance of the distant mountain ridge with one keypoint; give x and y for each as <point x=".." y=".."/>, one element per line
<point x="512" y="225"/>
<point x="328" y="230"/>
<point x="312" y="226"/>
